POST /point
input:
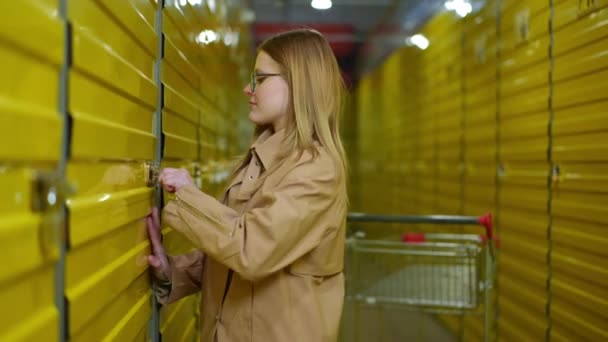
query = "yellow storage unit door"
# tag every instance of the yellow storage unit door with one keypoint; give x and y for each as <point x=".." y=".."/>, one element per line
<point x="178" y="320"/>
<point x="113" y="98"/>
<point x="31" y="50"/>
<point x="578" y="284"/>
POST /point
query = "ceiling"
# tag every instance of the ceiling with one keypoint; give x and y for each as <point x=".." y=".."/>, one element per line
<point x="361" y="32"/>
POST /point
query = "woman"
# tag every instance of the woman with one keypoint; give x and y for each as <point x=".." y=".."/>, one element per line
<point x="270" y="255"/>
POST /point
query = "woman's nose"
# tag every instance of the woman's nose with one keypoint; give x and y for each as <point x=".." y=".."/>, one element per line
<point x="247" y="90"/>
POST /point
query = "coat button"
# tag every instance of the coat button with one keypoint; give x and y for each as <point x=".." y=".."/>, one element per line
<point x="217" y="317"/>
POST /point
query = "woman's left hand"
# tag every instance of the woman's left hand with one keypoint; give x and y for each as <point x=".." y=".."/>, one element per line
<point x="174" y="179"/>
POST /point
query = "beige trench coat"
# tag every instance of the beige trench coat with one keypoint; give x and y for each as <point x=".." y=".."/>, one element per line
<point x="273" y="255"/>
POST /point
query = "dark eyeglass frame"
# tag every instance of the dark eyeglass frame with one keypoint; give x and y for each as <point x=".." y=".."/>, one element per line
<point x="253" y="79"/>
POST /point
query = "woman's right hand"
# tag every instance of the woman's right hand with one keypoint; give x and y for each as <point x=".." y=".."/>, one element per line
<point x="158" y="261"/>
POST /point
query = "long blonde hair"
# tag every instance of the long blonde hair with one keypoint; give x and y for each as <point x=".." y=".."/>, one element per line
<point x="316" y="97"/>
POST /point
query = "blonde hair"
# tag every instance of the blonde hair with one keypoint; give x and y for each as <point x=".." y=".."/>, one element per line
<point x="316" y="97"/>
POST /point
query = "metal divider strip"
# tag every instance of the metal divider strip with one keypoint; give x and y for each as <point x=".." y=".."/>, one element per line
<point x="553" y="170"/>
<point x="63" y="108"/>
<point x="154" y="326"/>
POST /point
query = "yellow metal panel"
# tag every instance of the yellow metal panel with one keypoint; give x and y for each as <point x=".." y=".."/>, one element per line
<point x="583" y="89"/>
<point x="514" y="266"/>
<point x="473" y="328"/>
<point x="92" y="23"/>
<point x="481" y="114"/>
<point x="35" y="26"/>
<point x="479" y="95"/>
<point x="474" y="205"/>
<point x="108" y="244"/>
<point x="531" y="226"/>
<point x="526" y="57"/>
<point x="181" y="137"/>
<point x="131" y="15"/>
<point x="585" y="29"/>
<point x="581" y="60"/>
<point x="524" y="246"/>
<point x="98" y="272"/>
<point x="175" y="318"/>
<point x="176" y="243"/>
<point x="579" y="234"/>
<point x="582" y="177"/>
<point x="207" y="141"/>
<point x="28" y="102"/>
<point x="524" y="149"/>
<point x="510" y="332"/>
<point x="29" y="312"/>
<point x="581" y="205"/>
<point x="177" y="38"/>
<point x="583" y="147"/>
<point x="181" y="63"/>
<point x="109" y="196"/>
<point x="190" y="331"/>
<point x="142" y="336"/>
<point x="564" y="13"/>
<point x="560" y="332"/>
<point x="480" y="173"/>
<point x="525" y="173"/>
<point x="527" y="197"/>
<point x="579" y="119"/>
<point x="103" y="50"/>
<point x="449" y="151"/>
<point x="124" y="317"/>
<point x="530" y="77"/>
<point x="31" y="50"/>
<point x="531" y="101"/>
<point x="124" y="126"/>
<point x="482" y="149"/>
<point x="520" y="294"/>
<point x="534" y="326"/>
<point x="585" y="325"/>
<point x="581" y="293"/>
<point x="23" y="232"/>
<point x="146" y="9"/>
<point x="530" y="125"/>
<point x="177" y="103"/>
<point x="182" y="96"/>
<point x="523" y="21"/>
<point x="586" y="267"/>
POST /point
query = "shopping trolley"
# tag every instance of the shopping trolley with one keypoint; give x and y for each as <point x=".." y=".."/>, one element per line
<point x="442" y="273"/>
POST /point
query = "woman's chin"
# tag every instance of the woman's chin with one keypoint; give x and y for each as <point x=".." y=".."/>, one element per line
<point x="255" y="118"/>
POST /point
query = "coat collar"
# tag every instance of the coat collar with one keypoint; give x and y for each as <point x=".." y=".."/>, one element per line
<point x="267" y="147"/>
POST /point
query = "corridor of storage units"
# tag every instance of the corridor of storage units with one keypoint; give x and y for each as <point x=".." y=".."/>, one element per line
<point x="505" y="110"/>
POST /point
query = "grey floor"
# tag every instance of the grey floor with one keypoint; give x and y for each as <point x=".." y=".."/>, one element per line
<point x="390" y="324"/>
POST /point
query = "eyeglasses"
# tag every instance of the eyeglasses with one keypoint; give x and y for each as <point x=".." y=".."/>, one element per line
<point x="253" y="79"/>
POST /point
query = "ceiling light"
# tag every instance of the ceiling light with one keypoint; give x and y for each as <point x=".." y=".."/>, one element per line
<point x="206" y="37"/>
<point x="461" y="7"/>
<point x="321" y="4"/>
<point x="418" y="40"/>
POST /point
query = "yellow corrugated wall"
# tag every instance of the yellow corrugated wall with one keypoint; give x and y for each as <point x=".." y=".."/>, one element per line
<point x="30" y="136"/>
<point x="507" y="113"/>
<point x="126" y="101"/>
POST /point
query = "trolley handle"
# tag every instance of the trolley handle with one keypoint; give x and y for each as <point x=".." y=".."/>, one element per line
<point x="484" y="220"/>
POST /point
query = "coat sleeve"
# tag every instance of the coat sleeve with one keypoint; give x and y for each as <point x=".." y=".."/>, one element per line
<point x="290" y="222"/>
<point x="186" y="273"/>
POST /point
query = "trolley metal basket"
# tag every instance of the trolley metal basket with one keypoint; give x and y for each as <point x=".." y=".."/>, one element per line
<point x="446" y="273"/>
